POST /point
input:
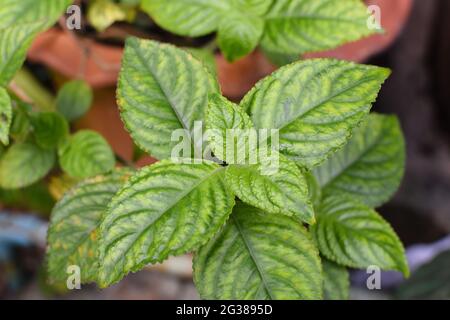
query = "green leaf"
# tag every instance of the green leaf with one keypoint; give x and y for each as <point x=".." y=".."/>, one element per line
<point x="186" y="17"/>
<point x="74" y="99"/>
<point x="239" y="35"/>
<point x="314" y="190"/>
<point x="430" y="282"/>
<point x="206" y="57"/>
<point x="336" y="282"/>
<point x="49" y="129"/>
<point x="21" y="124"/>
<point x="5" y="116"/>
<point x="223" y="116"/>
<point x="199" y="17"/>
<point x="259" y="256"/>
<point x="161" y="89"/>
<point x="86" y="154"/>
<point x="20" y="21"/>
<point x="73" y="229"/>
<point x="300" y="26"/>
<point x="165" y="209"/>
<point x="370" y="166"/>
<point x="13" y="12"/>
<point x="14" y="43"/>
<point x="314" y="104"/>
<point x="353" y="235"/>
<point x="23" y="164"/>
<point x="282" y="192"/>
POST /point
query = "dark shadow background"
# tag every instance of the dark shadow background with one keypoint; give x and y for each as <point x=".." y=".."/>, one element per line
<point x="419" y="93"/>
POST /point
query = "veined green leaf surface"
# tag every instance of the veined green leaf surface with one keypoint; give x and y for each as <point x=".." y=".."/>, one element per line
<point x="23" y="164"/>
<point x="20" y="21"/>
<point x="336" y="284"/>
<point x="370" y="166"/>
<point x="21" y="124"/>
<point x="199" y="17"/>
<point x="161" y="89"/>
<point x="14" y="43"/>
<point x="239" y="35"/>
<point x="354" y="235"/>
<point x="314" y="104"/>
<point x="314" y="190"/>
<point x="300" y="26"/>
<point x="259" y="256"/>
<point x="165" y="209"/>
<point x="186" y="17"/>
<point x="73" y="229"/>
<point x="13" y="12"/>
<point x="49" y="129"/>
<point x="74" y="99"/>
<point x="86" y="154"/>
<point x="227" y="122"/>
<point x="206" y="57"/>
<point x="284" y="191"/>
<point x="5" y="116"/>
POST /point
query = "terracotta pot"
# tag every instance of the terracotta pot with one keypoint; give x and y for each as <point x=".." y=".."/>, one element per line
<point x="63" y="53"/>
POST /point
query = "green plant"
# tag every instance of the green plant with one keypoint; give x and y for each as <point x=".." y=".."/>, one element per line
<point x="256" y="233"/>
<point x="284" y="29"/>
<point x="36" y="135"/>
<point x="40" y="138"/>
<point x="247" y="229"/>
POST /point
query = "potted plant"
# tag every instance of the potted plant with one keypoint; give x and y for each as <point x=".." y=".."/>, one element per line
<point x="266" y="212"/>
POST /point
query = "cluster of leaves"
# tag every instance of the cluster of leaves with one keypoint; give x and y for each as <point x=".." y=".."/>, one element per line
<point x="34" y="139"/>
<point x="40" y="138"/>
<point x="289" y="235"/>
<point x="20" y="22"/>
<point x="284" y="29"/>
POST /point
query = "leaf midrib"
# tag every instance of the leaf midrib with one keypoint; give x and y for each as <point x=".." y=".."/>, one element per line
<point x="324" y="100"/>
<point x="253" y="256"/>
<point x="162" y="212"/>
<point x="163" y="90"/>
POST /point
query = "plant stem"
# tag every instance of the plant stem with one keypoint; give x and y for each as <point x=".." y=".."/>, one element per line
<point x="25" y="84"/>
<point x="210" y="46"/>
<point x="124" y="161"/>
